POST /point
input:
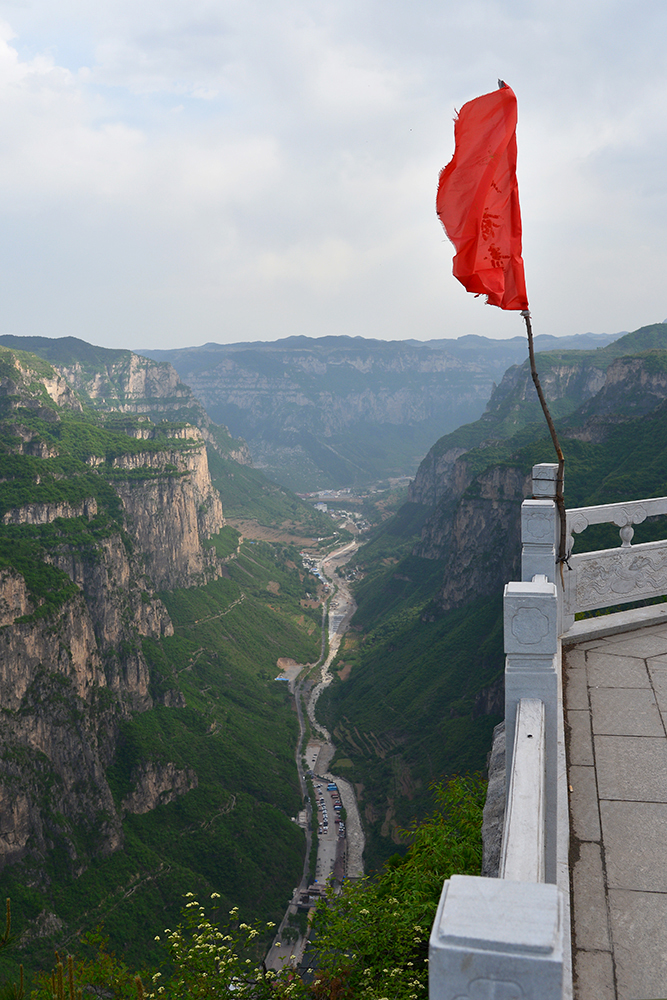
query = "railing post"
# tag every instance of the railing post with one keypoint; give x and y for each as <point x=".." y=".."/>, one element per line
<point x="531" y="645"/>
<point x="545" y="476"/>
<point x="495" y="938"/>
<point x="540" y="526"/>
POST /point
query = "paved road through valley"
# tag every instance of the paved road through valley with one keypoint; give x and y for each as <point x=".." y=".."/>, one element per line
<point x="344" y="856"/>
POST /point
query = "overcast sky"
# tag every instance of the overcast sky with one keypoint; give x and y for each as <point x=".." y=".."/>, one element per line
<point x="174" y="172"/>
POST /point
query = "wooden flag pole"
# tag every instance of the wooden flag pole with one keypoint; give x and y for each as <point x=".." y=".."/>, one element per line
<point x="560" y="500"/>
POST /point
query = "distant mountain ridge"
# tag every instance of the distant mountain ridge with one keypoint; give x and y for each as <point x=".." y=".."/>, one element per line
<point x="339" y="411"/>
<point x="118" y="381"/>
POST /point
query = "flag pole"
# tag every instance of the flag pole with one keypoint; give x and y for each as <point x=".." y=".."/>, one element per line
<point x="478" y="205"/>
<point x="560" y="500"/>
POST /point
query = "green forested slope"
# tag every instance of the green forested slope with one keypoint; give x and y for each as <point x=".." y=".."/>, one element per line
<point x="568" y="379"/>
<point x="220" y="727"/>
<point x="236" y="730"/>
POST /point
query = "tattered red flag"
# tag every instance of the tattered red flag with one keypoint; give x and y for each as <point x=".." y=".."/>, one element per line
<point x="478" y="200"/>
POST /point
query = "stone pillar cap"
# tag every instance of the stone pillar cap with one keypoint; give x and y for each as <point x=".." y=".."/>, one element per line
<point x="497" y="915"/>
<point x="526" y="588"/>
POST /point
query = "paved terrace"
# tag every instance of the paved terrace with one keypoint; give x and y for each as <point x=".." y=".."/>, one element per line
<point x="615" y="691"/>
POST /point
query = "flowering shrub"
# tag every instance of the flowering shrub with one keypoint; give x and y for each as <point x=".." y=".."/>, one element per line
<point x="371" y="939"/>
<point x="208" y="962"/>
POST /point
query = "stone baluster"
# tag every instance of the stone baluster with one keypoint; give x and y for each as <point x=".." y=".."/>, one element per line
<point x="531" y="645"/>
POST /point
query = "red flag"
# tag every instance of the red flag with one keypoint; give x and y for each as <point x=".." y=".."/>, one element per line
<point x="478" y="200"/>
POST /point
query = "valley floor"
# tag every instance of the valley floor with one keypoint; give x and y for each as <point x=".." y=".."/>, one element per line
<point x="338" y="856"/>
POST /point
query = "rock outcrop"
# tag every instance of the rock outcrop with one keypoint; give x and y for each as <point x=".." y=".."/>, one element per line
<point x="131" y="384"/>
<point x="477" y="532"/>
<point x="169" y="515"/>
<point x="156" y="784"/>
<point x="46" y="513"/>
<point x="474" y="484"/>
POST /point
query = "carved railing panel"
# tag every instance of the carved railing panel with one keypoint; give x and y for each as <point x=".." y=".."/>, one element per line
<point x="614" y="576"/>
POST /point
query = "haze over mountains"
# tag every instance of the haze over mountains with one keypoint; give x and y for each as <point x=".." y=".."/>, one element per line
<point x="344" y="411"/>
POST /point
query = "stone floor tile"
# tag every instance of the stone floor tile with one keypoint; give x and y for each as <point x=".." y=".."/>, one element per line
<point x="658" y="675"/>
<point x="631" y="767"/>
<point x="642" y="643"/>
<point x="584" y="811"/>
<point x="593" y="976"/>
<point x="580" y="743"/>
<point x="605" y="669"/>
<point x="589" y="906"/>
<point x="639" y="932"/>
<point x="576" y="689"/>
<point x="625" y="712"/>
<point x="575" y="658"/>
<point x="635" y="844"/>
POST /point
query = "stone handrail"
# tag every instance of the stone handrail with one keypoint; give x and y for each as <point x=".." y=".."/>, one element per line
<point x="510" y="936"/>
<point x="522" y="856"/>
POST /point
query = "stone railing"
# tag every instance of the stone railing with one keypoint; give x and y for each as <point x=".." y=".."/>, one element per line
<point x="510" y="937"/>
<point x="613" y="576"/>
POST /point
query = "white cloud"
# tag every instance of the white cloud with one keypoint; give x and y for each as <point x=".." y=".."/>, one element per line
<point x="187" y="171"/>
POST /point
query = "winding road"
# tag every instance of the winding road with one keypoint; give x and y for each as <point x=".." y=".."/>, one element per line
<point x="342" y="857"/>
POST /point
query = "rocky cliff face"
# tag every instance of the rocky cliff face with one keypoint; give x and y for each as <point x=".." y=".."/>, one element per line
<point x="170" y="515"/>
<point x="56" y="733"/>
<point x="70" y="672"/>
<point x="633" y="387"/>
<point x="117" y="381"/>
<point x="478" y="511"/>
<point x="157" y="784"/>
<point x="512" y="405"/>
<point x="131" y="384"/>
<point x="340" y="410"/>
<point x="477" y="532"/>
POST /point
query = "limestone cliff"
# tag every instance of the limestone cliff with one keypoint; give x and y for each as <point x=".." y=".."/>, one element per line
<point x="633" y="387"/>
<point x="157" y="783"/>
<point x="119" y="381"/>
<point x="88" y="532"/>
<point x="336" y="410"/>
<point x="477" y="533"/>
<point x="128" y="383"/>
<point x="170" y="515"/>
<point x="567" y="383"/>
<point x="474" y="479"/>
<point x="56" y="732"/>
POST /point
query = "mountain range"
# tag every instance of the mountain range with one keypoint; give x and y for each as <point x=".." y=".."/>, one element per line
<point x="146" y="749"/>
<point x="332" y="412"/>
